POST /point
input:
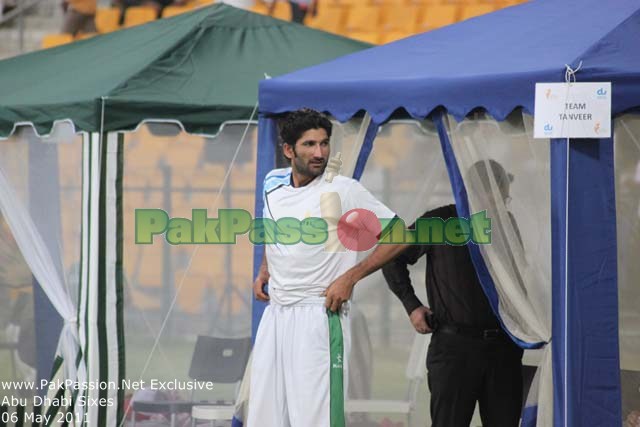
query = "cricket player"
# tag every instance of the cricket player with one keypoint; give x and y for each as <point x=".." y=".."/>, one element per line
<point x="299" y="366"/>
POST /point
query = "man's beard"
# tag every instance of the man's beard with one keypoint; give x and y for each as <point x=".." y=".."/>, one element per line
<point x="305" y="170"/>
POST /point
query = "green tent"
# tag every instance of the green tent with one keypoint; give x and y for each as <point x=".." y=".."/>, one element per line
<point x="201" y="69"/>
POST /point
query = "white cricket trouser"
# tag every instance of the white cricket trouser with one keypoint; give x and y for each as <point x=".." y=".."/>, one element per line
<point x="298" y="373"/>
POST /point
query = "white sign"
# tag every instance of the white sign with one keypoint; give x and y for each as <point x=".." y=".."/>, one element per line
<point x="572" y="110"/>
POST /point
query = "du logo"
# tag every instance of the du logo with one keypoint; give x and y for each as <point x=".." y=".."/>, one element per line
<point x="548" y="128"/>
<point x="602" y="92"/>
<point x="550" y="95"/>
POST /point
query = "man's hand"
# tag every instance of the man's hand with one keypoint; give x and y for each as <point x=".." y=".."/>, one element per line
<point x="418" y="319"/>
<point x="340" y="289"/>
<point x="258" y="291"/>
<point x="338" y="292"/>
<point x="261" y="280"/>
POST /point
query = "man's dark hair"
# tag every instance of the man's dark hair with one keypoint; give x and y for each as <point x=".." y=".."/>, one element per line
<point x="294" y="124"/>
<point x="501" y="176"/>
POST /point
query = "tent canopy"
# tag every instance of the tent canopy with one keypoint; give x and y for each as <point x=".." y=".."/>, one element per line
<point x="492" y="62"/>
<point x="200" y="68"/>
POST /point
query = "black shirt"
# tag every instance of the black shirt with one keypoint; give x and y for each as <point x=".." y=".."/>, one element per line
<point x="455" y="294"/>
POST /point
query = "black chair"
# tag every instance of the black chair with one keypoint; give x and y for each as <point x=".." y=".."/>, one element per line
<point x="216" y="360"/>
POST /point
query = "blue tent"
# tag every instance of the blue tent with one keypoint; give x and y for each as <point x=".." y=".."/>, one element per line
<point x="493" y="62"/>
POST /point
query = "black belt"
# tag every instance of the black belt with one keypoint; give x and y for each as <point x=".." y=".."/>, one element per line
<point x="485" y="334"/>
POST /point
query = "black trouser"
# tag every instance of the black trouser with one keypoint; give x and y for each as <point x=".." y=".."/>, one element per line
<point x="465" y="370"/>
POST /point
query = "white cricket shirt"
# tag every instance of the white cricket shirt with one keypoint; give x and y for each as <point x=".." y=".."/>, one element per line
<point x="303" y="270"/>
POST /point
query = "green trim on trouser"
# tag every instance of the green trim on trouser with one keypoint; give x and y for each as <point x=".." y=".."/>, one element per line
<point x="336" y="384"/>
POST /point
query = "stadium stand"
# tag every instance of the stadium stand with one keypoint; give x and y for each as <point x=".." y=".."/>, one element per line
<point x="282" y="9"/>
<point x="399" y="18"/>
<point x="473" y="10"/>
<point x="175" y="10"/>
<point x="329" y="18"/>
<point x="393" y="36"/>
<point x="137" y="15"/>
<point x="107" y="19"/>
<point x="363" y="19"/>
<point x="436" y="16"/>
<point x="82" y="36"/>
<point x="354" y="3"/>
<point x="53" y="40"/>
<point x="373" y="21"/>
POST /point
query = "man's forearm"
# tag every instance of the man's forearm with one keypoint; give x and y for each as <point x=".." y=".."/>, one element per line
<point x="381" y="255"/>
<point x="264" y="268"/>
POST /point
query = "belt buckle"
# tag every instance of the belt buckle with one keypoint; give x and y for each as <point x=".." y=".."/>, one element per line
<point x="489" y="334"/>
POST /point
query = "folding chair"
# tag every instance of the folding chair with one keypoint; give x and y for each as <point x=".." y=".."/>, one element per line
<point x="216" y="360"/>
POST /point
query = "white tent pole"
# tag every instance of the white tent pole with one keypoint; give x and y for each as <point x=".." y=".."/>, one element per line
<point x="566" y="292"/>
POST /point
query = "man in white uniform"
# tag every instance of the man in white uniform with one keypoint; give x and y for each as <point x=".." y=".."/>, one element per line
<point x="298" y="373"/>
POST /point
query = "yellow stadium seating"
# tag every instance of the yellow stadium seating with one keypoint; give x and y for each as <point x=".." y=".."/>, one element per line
<point x="107" y="19"/>
<point x="366" y="36"/>
<point x="354" y="3"/>
<point x="82" y="36"/>
<point x="392" y="36"/>
<point x="395" y="3"/>
<point x="137" y="15"/>
<point x="282" y="10"/>
<point x="260" y="8"/>
<point x="431" y="2"/>
<point x="329" y="18"/>
<point x="403" y="19"/>
<point x="473" y="10"/>
<point x="436" y="16"/>
<point x="363" y="18"/>
<point x="175" y="10"/>
<point x="53" y="40"/>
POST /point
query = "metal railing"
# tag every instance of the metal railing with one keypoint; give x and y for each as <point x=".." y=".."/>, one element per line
<point x="19" y="13"/>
